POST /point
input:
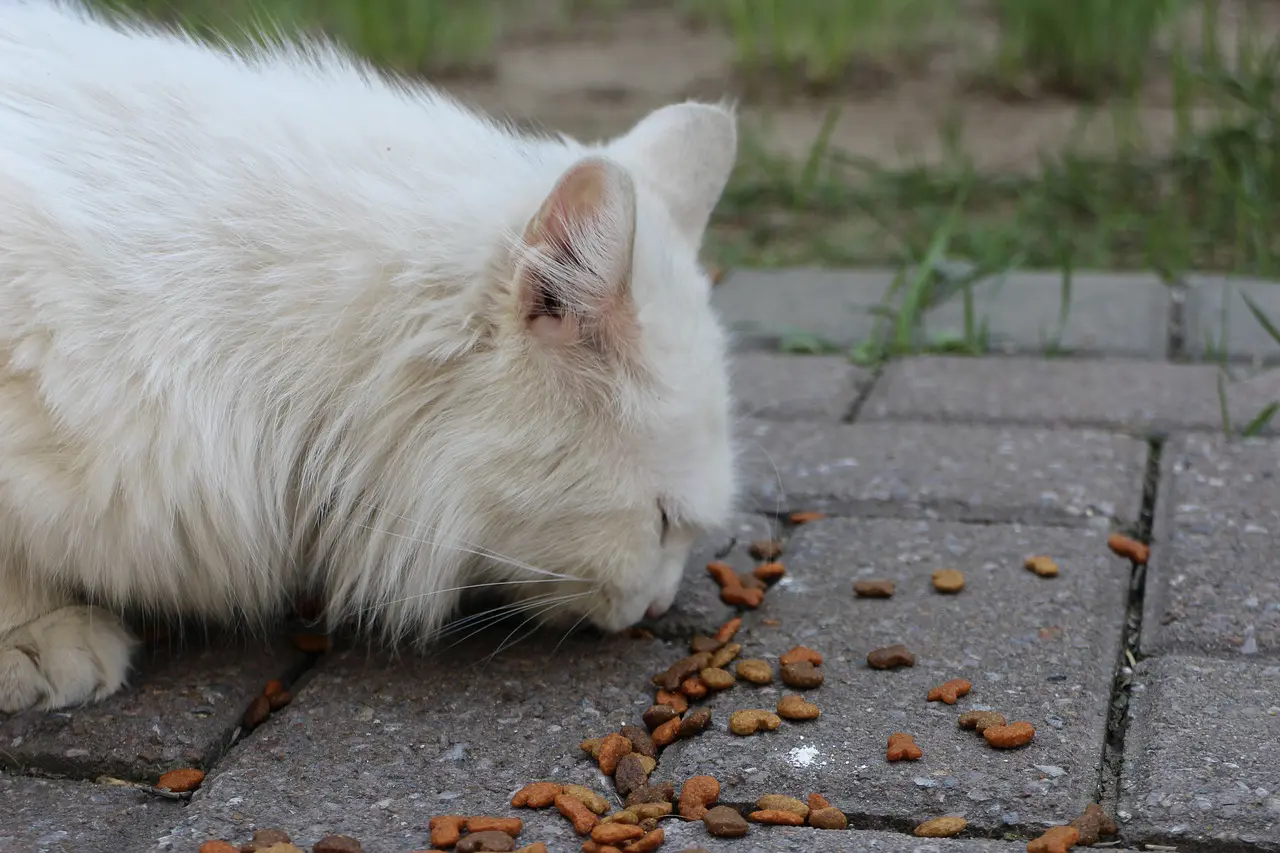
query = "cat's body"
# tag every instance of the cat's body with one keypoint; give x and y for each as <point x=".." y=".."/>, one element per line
<point x="276" y="325"/>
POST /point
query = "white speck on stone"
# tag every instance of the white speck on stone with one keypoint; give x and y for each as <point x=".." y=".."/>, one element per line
<point x="1053" y="771"/>
<point x="925" y="782"/>
<point x="1250" y="644"/>
<point x="382" y="804"/>
<point x="803" y="756"/>
<point x="456" y="753"/>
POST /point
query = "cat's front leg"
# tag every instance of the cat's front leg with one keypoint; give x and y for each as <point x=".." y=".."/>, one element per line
<point x="64" y="656"/>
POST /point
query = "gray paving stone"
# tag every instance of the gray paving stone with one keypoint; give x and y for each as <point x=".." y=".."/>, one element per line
<point x="761" y="307"/>
<point x="1217" y="320"/>
<point x="974" y="473"/>
<point x="180" y="710"/>
<point x="784" y="839"/>
<point x="1213" y="584"/>
<point x="796" y="386"/>
<point x="1035" y="649"/>
<point x="1110" y="314"/>
<point x="1202" y="763"/>
<point x="49" y="816"/>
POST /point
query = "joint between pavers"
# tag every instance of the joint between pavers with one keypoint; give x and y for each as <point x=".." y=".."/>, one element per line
<point x="872" y="510"/>
<point x="855" y="407"/>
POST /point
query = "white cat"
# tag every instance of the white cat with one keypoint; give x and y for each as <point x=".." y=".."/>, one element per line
<point x="272" y="323"/>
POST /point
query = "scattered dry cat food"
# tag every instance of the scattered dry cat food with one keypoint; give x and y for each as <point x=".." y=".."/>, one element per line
<point x="1130" y="548"/>
<point x="749" y="722"/>
<point x="694" y="722"/>
<point x="264" y="839"/>
<point x="980" y="721"/>
<point x="765" y="549"/>
<point x="725" y="655"/>
<point x="723" y="574"/>
<point x="446" y="829"/>
<point x="638" y="632"/>
<point x="656" y="715"/>
<point x="948" y="580"/>
<point x="890" y="657"/>
<point x="902" y="747"/>
<point x="1057" y="839"/>
<point x="217" y="845"/>
<point x="312" y="644"/>
<point x="489" y="841"/>
<point x="694" y="687"/>
<point x="615" y="833"/>
<point x="817" y="801"/>
<point x="590" y="846"/>
<point x="702" y="643"/>
<point x="728" y="630"/>
<point x="510" y="825"/>
<point x="535" y="847"/>
<point x="950" y="691"/>
<point x="612" y="748"/>
<point x="281" y="847"/>
<point x="583" y="819"/>
<point x="807" y="517"/>
<point x="769" y="572"/>
<point x="536" y="795"/>
<point x="630" y="774"/>
<point x="941" y="827"/>
<point x="1011" y="736"/>
<point x="663" y="792"/>
<point x="773" y="802"/>
<point x="802" y="675"/>
<point x="1093" y="824"/>
<point x="755" y="670"/>
<point x="589" y="798"/>
<point x="666" y="734"/>
<point x="716" y="678"/>
<point x="828" y="818"/>
<point x="651" y="841"/>
<point x="795" y="707"/>
<point x="801" y="653"/>
<point x="257" y="712"/>
<point x="874" y="588"/>
<point x="645" y="811"/>
<point x="1043" y="566"/>
<point x="640" y="740"/>
<point x="698" y="795"/>
<point x="777" y="817"/>
<point x="740" y="596"/>
<point x="675" y="701"/>
<point x="725" y="822"/>
<point x="181" y="781"/>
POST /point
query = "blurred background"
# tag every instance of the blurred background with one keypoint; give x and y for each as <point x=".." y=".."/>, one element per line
<point x="1005" y="133"/>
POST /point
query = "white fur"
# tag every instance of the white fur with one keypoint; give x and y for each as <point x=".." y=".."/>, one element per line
<point x="263" y="330"/>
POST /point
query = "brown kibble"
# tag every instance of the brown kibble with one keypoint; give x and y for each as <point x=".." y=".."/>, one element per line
<point x="740" y="596"/>
<point x="728" y="630"/>
<point x="694" y="722"/>
<point x="950" y="691"/>
<point x="637" y="632"/>
<point x="257" y="712"/>
<point x="773" y="802"/>
<point x="1130" y="548"/>
<point x="276" y="701"/>
<point x="612" y="748"/>
<point x="590" y="846"/>
<point x="753" y="582"/>
<point x="751" y="721"/>
<point x="807" y="517"/>
<point x="1093" y="824"/>
<point x="724" y="822"/>
<point x="902" y="747"/>
<point x="716" y="678"/>
<point x="778" y="817"/>
<point x="948" y="580"/>
<point x="1058" y="839"/>
<point x="676" y="701"/>
<point x="981" y="720"/>
<point x="723" y="574"/>
<point x="828" y="818"/>
<point x="591" y="746"/>
<point x="649" y="764"/>
<point x="630" y="774"/>
<point x="890" y="657"/>
<point x="217" y="845"/>
<point x="446" y="829"/>
<point x="1043" y="566"/>
<point x="624" y="816"/>
<point x="536" y="795"/>
<point x="583" y="819"/>
<point x="1011" y="736"/>
<point x="656" y="715"/>
<point x="817" y="801"/>
<point x="278" y="847"/>
<point x="640" y="740"/>
<point x="615" y="833"/>
<point x="267" y="837"/>
<point x="651" y="841"/>
<point x="312" y="644"/>
<point x="588" y="797"/>
<point x="510" y="825"/>
<point x="702" y="643"/>
<point x="644" y="811"/>
<point x="663" y="792"/>
<point x="802" y="675"/>
<point x="488" y="841"/>
<point x="796" y="707"/>
<point x="694" y="688"/>
<point x="769" y="572"/>
<point x="755" y="670"/>
<point x="181" y="781"/>
<point x="874" y="588"/>
<point x="765" y="549"/>
<point x="800" y="653"/>
<point x="697" y="795"/>
<point x="941" y="827"/>
<point x="275" y="685"/>
<point x="665" y="734"/>
<point x="725" y="655"/>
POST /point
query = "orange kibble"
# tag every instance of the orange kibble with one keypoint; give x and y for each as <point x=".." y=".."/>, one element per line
<point x="801" y="653"/>
<point x="723" y="573"/>
<point x="1130" y="548"/>
<point x="181" y="781"/>
<point x="676" y="701"/>
<point x="807" y="517"/>
<point x="950" y="691"/>
<point x="740" y="596"/>
<point x="728" y="630"/>
<point x="769" y="572"/>
<point x="446" y="829"/>
<point x="902" y="747"/>
<point x="510" y="825"/>
<point x="665" y="734"/>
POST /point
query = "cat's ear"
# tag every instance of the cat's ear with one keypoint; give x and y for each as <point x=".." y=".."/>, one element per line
<point x="575" y="274"/>
<point x="685" y="152"/>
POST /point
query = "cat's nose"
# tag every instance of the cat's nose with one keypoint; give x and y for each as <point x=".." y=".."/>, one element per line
<point x="655" y="610"/>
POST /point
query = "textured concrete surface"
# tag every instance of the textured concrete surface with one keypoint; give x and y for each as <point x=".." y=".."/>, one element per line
<point x="779" y="839"/>
<point x="48" y="816"/>
<point x="1110" y="314"/>
<point x="796" y="387"/>
<point x="1213" y="584"/>
<point x="761" y="307"/>
<point x="962" y="472"/>
<point x="181" y="711"/>
<point x="1041" y="650"/>
<point x="1203" y="754"/>
<point x="1217" y="320"/>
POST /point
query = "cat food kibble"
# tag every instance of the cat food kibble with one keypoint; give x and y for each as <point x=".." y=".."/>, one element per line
<point x="535" y="847"/>
<point x="694" y="722"/>
<point x="948" y="580"/>
<point x="751" y="721"/>
<point x="799" y="518"/>
<point x="673" y="700"/>
<point x="1057" y="839"/>
<point x="536" y="795"/>
<point x="980" y="721"/>
<point x="631" y="774"/>
<point x="1129" y="548"/>
<point x="1011" y="736"/>
<point x="755" y="670"/>
<point x="650" y="842"/>
<point x="612" y="748"/>
<point x="697" y="795"/>
<point x="311" y="644"/>
<point x="702" y="643"/>
<point x="1093" y="825"/>
<point x="1043" y="566"/>
<point x="950" y="691"/>
<point x="828" y="818"/>
<point x="817" y="801"/>
<point x="802" y="675"/>
<point x="772" y="802"/>
<point x="257" y="712"/>
<point x="666" y="734"/>
<point x="694" y="688"/>
<point x="795" y="707"/>
<point x="725" y="822"/>
<point x="656" y="715"/>
<point x="488" y="841"/>
<point x="716" y="678"/>
<point x="725" y="655"/>
<point x="723" y="574"/>
<point x="874" y="588"/>
<point x="801" y="653"/>
<point x="615" y="833"/>
<point x="583" y="819"/>
<point x="216" y="845"/>
<point x="510" y="825"/>
<point x="890" y="657"/>
<point x="728" y="630"/>
<point x="446" y="829"/>
<point x="664" y="792"/>
<point x="902" y="747"/>
<point x="769" y="572"/>
<point x="941" y="827"/>
<point x="777" y="817"/>
<point x="765" y="549"/>
<point x="181" y="781"/>
<point x="590" y="846"/>
<point x="645" y="811"/>
<point x="640" y="740"/>
<point x="267" y="837"/>
<point x="740" y="596"/>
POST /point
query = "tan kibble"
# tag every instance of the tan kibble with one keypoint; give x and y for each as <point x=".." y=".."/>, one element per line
<point x="948" y="580"/>
<point x="941" y="827"/>
<point x="755" y="670"/>
<point x="587" y="797"/>
<point x="624" y="816"/>
<point x="795" y="707"/>
<point x="981" y="720"/>
<point x="725" y="655"/>
<point x="1043" y="566"/>
<point x="777" y="817"/>
<point x="716" y="678"/>
<point x="651" y="841"/>
<point x="828" y="818"/>
<point x="801" y="653"/>
<point x="749" y="722"/>
<point x="1011" y="736"/>
<point x="644" y="811"/>
<point x="771" y="802"/>
<point x="874" y="588"/>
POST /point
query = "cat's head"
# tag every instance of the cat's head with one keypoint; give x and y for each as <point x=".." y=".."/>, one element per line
<point x="617" y="368"/>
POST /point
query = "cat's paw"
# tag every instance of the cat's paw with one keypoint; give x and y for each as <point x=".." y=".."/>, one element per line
<point x="67" y="657"/>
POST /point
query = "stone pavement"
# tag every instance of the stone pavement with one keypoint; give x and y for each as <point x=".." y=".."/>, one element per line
<point x="1153" y="690"/>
